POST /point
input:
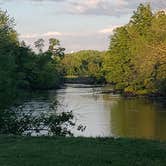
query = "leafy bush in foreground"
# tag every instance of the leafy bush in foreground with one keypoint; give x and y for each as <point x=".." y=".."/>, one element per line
<point x="18" y="123"/>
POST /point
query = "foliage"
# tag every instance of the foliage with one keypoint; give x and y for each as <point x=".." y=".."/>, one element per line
<point x="55" y="49"/>
<point x="22" y="69"/>
<point x="39" y="44"/>
<point x="84" y="63"/>
<point x="136" y="60"/>
<point x="17" y="122"/>
<point x="42" y="72"/>
<point x="8" y="43"/>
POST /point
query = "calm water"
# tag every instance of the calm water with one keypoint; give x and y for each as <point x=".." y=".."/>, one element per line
<point x="105" y="114"/>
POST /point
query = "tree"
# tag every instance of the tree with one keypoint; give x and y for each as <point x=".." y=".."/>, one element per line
<point x="39" y="44"/>
<point x="136" y="58"/>
<point x="55" y="49"/>
<point x="142" y="19"/>
<point x="20" y="69"/>
<point x="8" y="45"/>
<point x="86" y="63"/>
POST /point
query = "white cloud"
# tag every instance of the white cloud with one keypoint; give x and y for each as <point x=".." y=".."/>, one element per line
<point x="98" y="7"/>
<point x="109" y="7"/>
<point x="29" y="36"/>
<point x="36" y="35"/>
<point x="108" y="30"/>
<point x="52" y="34"/>
<point x="73" y="41"/>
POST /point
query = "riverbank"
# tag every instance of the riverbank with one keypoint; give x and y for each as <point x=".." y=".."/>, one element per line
<point x="42" y="151"/>
<point x="127" y="92"/>
<point x="79" y="80"/>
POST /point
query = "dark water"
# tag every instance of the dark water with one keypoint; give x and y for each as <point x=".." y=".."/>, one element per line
<point x="105" y="114"/>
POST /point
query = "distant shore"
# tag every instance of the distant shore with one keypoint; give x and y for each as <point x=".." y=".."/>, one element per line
<point x="92" y="81"/>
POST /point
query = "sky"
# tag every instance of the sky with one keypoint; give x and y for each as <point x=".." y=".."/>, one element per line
<point x="78" y="24"/>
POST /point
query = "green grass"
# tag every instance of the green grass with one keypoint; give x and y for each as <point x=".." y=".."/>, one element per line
<point x="55" y="151"/>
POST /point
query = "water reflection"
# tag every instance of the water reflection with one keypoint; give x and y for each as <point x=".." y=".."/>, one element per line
<point x="112" y="115"/>
<point x="106" y="114"/>
<point x="138" y="118"/>
<point x="89" y="109"/>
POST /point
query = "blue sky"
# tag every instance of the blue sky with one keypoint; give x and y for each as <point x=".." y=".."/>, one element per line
<point x="78" y="24"/>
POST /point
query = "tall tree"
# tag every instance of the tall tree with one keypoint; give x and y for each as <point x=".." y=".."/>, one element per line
<point x="8" y="44"/>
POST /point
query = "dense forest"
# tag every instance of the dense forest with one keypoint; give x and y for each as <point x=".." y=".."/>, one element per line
<point x="134" y="63"/>
<point x="136" y="60"/>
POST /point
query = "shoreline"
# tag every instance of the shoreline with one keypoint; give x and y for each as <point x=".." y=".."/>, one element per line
<point x="112" y="90"/>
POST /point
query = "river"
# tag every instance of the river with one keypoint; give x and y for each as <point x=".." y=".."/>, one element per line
<point x="106" y="114"/>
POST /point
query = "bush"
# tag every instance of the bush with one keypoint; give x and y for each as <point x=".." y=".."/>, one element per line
<point x="19" y="123"/>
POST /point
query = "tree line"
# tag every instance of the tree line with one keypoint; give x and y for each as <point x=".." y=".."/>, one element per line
<point x="135" y="62"/>
<point x="85" y="63"/>
<point x="21" y="69"/>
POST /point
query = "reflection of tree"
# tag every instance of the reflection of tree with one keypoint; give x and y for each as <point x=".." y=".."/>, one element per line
<point x="95" y="93"/>
<point x="137" y="118"/>
<point x="161" y="125"/>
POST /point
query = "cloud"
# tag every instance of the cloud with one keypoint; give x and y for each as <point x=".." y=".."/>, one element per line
<point x="98" y="7"/>
<point x="49" y="0"/>
<point x="109" y="7"/>
<point x="33" y="0"/>
<point x="71" y="41"/>
<point x="56" y="34"/>
<point x="76" y="40"/>
<point x="29" y="36"/>
<point x="108" y="30"/>
<point x="36" y="35"/>
<point x="52" y="34"/>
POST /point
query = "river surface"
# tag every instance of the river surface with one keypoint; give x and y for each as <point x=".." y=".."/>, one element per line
<point x="105" y="114"/>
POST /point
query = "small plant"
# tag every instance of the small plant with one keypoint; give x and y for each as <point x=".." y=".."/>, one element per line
<point x="20" y="122"/>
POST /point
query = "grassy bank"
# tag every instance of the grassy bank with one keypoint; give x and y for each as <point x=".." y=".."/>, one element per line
<point x="47" y="151"/>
